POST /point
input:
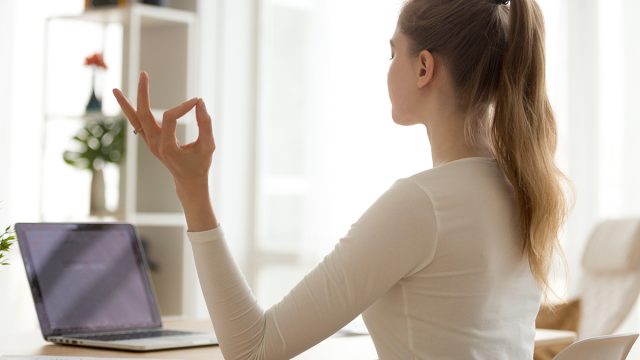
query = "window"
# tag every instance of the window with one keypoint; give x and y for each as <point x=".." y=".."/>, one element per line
<point x="327" y="146"/>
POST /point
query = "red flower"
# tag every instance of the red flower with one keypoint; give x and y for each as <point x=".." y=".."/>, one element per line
<point x="95" y="59"/>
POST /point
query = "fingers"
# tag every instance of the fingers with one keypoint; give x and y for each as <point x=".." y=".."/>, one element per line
<point x="180" y="110"/>
<point x="205" y="127"/>
<point x="143" y="92"/>
<point x="145" y="116"/>
<point x="170" y="120"/>
<point x="128" y="110"/>
<point x="160" y="139"/>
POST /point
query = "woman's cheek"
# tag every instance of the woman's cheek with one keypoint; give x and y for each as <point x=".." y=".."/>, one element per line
<point x="391" y="84"/>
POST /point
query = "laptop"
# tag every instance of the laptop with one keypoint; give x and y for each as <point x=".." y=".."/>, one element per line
<point x="90" y="287"/>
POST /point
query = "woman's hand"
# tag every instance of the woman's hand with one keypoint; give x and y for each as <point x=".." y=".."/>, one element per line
<point x="188" y="163"/>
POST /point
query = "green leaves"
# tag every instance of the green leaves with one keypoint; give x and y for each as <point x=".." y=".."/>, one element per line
<point x="7" y="239"/>
<point x="100" y="141"/>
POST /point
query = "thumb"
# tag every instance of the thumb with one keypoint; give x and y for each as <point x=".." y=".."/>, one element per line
<point x="170" y="121"/>
<point x="205" y="126"/>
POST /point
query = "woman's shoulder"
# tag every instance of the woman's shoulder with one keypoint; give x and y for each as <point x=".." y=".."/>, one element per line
<point x="461" y="178"/>
<point x="458" y="169"/>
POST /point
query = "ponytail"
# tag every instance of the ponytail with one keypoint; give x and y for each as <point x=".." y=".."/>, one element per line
<point x="495" y="55"/>
<point x="524" y="137"/>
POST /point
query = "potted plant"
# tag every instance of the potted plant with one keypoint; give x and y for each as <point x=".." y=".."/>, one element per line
<point x="99" y="142"/>
<point x="7" y="239"/>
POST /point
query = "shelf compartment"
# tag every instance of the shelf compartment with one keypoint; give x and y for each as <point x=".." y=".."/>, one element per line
<point x="164" y="248"/>
<point x="155" y="187"/>
<point x="168" y="79"/>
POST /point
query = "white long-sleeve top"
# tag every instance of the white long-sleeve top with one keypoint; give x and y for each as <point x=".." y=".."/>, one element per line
<point x="435" y="266"/>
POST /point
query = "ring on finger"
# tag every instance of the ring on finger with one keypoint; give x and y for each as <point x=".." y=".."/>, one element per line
<point x="137" y="131"/>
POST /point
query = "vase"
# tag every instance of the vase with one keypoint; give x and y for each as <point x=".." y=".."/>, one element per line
<point x="97" y="204"/>
<point x="95" y="103"/>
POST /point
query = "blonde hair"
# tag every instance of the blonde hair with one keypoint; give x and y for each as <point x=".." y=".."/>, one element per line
<point x="496" y="57"/>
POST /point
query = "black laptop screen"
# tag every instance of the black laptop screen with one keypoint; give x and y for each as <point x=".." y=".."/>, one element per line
<point x="88" y="277"/>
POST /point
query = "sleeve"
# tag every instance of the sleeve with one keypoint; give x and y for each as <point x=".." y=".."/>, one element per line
<point x="393" y="239"/>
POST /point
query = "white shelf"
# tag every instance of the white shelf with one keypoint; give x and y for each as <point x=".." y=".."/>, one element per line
<point x="83" y="117"/>
<point x="156" y="219"/>
<point x="150" y="15"/>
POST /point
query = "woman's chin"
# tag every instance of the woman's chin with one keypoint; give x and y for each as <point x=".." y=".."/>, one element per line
<point x="400" y="120"/>
<point x="397" y="121"/>
<point x="396" y="118"/>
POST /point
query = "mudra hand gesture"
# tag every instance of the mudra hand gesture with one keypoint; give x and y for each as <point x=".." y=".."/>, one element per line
<point x="185" y="162"/>
<point x="188" y="163"/>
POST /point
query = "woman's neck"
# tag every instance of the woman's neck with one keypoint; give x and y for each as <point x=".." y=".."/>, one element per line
<point x="448" y="142"/>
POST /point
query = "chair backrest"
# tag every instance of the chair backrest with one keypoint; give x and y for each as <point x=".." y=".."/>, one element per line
<point x="610" y="283"/>
<point x="609" y="347"/>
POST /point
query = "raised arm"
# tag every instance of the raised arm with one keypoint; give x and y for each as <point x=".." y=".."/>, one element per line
<point x="394" y="238"/>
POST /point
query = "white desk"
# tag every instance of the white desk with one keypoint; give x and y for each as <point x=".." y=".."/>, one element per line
<point x="338" y="348"/>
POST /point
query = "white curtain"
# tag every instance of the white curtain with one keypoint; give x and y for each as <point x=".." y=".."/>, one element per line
<point x="600" y="119"/>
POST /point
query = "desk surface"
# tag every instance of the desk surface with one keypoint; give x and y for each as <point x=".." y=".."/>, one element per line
<point x="351" y="347"/>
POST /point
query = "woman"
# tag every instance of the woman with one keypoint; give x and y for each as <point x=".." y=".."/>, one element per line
<point x="449" y="263"/>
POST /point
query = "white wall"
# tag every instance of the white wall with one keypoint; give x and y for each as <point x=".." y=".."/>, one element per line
<point x="6" y="46"/>
<point x="12" y="278"/>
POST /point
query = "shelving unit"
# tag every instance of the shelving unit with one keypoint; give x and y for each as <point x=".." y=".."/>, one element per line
<point x="159" y="40"/>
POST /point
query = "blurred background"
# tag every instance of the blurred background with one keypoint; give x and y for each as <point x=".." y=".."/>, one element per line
<point x="297" y="90"/>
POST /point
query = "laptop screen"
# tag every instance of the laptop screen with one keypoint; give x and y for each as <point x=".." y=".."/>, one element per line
<point x="87" y="277"/>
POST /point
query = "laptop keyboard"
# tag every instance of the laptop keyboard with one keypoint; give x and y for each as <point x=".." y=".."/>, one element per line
<point x="130" y="335"/>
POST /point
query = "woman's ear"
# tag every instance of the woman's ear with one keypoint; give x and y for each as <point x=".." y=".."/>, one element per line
<point x="426" y="68"/>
